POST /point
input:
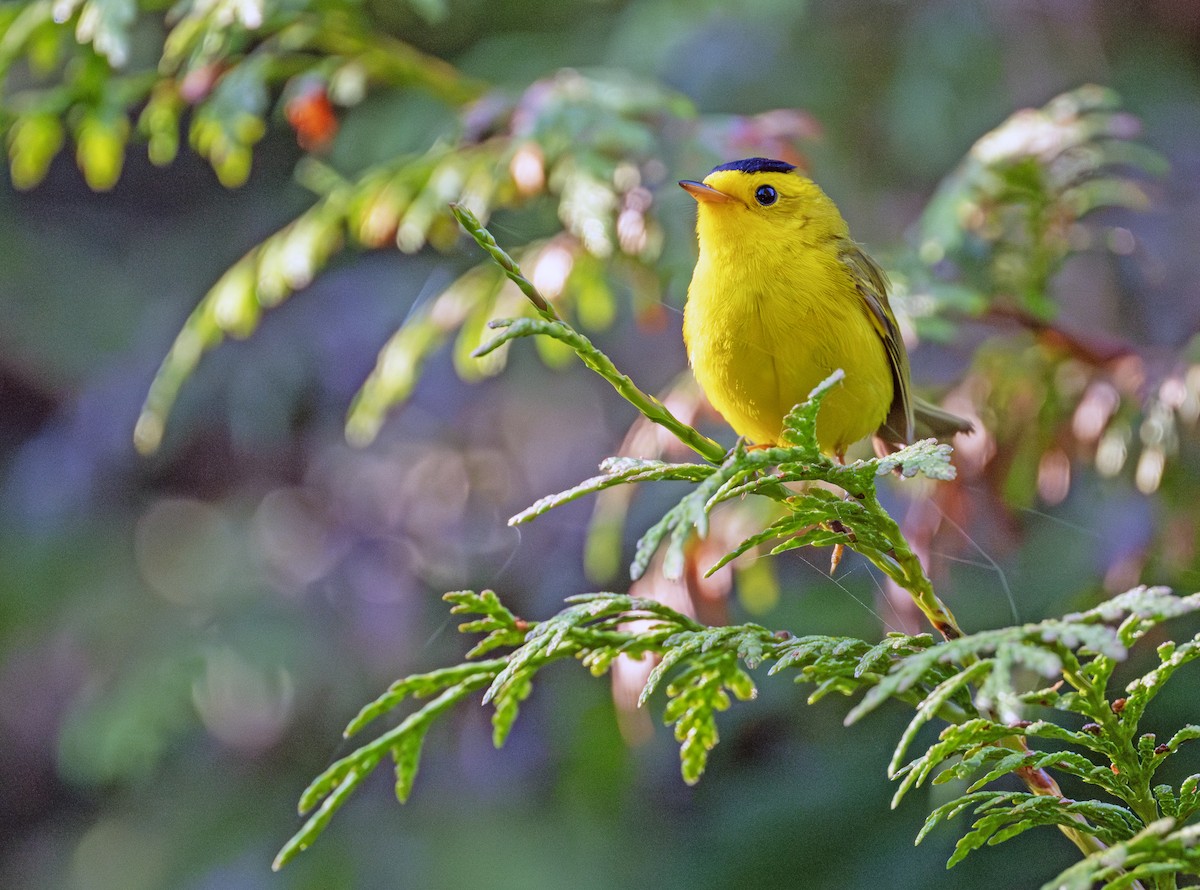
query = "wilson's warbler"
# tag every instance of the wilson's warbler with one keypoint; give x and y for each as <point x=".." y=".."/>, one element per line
<point x="780" y="299"/>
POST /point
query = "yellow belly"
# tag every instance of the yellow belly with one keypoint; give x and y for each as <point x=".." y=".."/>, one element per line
<point x="757" y="348"/>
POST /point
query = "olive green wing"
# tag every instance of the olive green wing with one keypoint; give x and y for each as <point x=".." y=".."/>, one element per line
<point x="872" y="285"/>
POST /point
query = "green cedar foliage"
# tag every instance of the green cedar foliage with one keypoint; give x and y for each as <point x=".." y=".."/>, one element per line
<point x="1135" y="834"/>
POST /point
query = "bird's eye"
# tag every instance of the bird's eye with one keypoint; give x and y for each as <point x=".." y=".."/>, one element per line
<point x="766" y="195"/>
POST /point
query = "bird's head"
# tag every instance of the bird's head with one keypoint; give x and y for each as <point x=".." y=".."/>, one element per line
<point x="761" y="201"/>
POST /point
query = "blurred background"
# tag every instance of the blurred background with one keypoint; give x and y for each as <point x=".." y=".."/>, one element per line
<point x="184" y="635"/>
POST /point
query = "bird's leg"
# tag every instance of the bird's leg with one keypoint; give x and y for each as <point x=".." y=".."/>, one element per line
<point x="839" y="550"/>
<point x="740" y="443"/>
<point x="744" y="444"/>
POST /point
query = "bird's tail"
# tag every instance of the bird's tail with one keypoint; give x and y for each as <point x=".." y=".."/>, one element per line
<point x="928" y="420"/>
<point x="934" y="421"/>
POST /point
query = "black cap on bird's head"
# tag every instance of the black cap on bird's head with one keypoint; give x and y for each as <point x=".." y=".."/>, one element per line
<point x="756" y="165"/>
<point x="761" y="200"/>
<point x="705" y="192"/>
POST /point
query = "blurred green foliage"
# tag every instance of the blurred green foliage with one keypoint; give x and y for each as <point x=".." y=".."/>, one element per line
<point x="176" y="632"/>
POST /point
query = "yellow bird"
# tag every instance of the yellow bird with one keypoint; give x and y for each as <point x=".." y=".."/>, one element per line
<point x="781" y="298"/>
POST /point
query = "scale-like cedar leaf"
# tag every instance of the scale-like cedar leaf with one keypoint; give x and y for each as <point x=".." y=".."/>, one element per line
<point x="422" y="686"/>
<point x="333" y="787"/>
<point x="1005" y="814"/>
<point x="957" y="739"/>
<point x="1141" y="692"/>
<point x="929" y="706"/>
<point x="508" y="704"/>
<point x="677" y="523"/>
<point x="800" y="424"/>
<point x="1041" y="646"/>
<point x="927" y="457"/>
<point x="406" y="754"/>
<point x="1160" y="848"/>
<point x="616" y="471"/>
<point x="1061" y="761"/>
<point x="696" y="695"/>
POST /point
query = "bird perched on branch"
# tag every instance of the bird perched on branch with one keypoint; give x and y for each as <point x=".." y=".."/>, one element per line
<point x="781" y="298"/>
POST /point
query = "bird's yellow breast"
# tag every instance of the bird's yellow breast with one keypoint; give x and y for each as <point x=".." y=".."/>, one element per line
<point x="773" y="312"/>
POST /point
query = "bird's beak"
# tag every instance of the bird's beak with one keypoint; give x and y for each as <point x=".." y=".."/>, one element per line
<point x="705" y="194"/>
